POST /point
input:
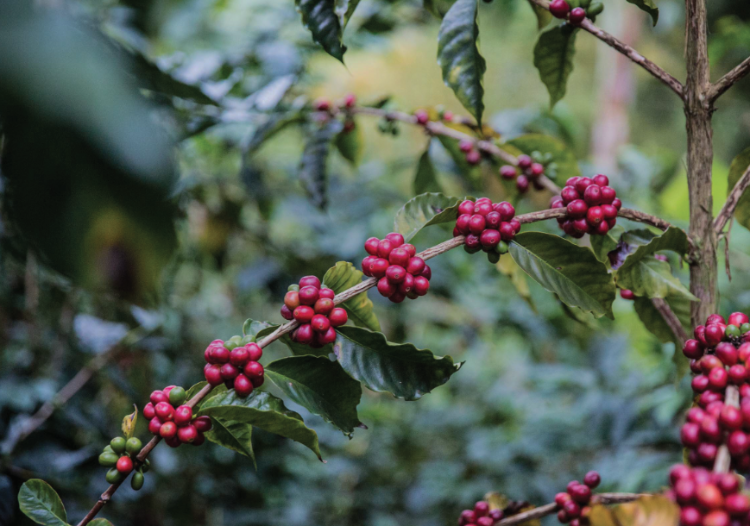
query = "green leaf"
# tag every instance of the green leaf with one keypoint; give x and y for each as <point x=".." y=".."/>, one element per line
<point x="654" y="321"/>
<point x="425" y="210"/>
<point x="313" y="170"/>
<point x="736" y="169"/>
<point x="553" y="57"/>
<point x="647" y="276"/>
<point x="543" y="16"/>
<point x="425" y="180"/>
<point x="570" y="271"/>
<point x="458" y="56"/>
<point x="264" y="411"/>
<point x="297" y="349"/>
<point x="648" y="6"/>
<point x="200" y="385"/>
<point x="342" y="276"/>
<point x="233" y="435"/>
<point x="562" y="155"/>
<point x="320" y="386"/>
<point x="508" y="267"/>
<point x="603" y="245"/>
<point x="398" y="368"/>
<point x="344" y="10"/>
<point x="469" y="171"/>
<point x="651" y="278"/>
<point x="349" y="145"/>
<point x="253" y="328"/>
<point x="320" y="18"/>
<point x="39" y="502"/>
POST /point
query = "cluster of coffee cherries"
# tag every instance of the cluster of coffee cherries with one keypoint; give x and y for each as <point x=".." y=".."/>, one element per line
<point x="487" y="226"/>
<point x="118" y="455"/>
<point x="574" y="503"/>
<point x="481" y="515"/>
<point x="235" y="364"/>
<point x="469" y="149"/>
<point x="561" y="9"/>
<point x="592" y="206"/>
<point x="720" y="356"/>
<point x="527" y="173"/>
<point x="173" y="421"/>
<point x="708" y="499"/>
<point x="349" y="101"/>
<point x="312" y="306"/>
<point x="400" y="272"/>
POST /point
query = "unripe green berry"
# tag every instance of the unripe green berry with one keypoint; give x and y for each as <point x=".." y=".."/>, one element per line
<point x="233" y="342"/>
<point x="108" y="449"/>
<point x="177" y="396"/>
<point x="493" y="257"/>
<point x="108" y="459"/>
<point x="250" y="338"/>
<point x="502" y="247"/>
<point x="113" y="476"/>
<point x="732" y="330"/>
<point x="595" y="9"/>
<point x="745" y="327"/>
<point x="134" y="445"/>
<point x="293" y="287"/>
<point x="146" y="466"/>
<point x="118" y="444"/>
<point x="137" y="481"/>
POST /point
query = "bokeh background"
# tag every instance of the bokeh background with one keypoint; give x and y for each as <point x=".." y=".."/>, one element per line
<point x="134" y="211"/>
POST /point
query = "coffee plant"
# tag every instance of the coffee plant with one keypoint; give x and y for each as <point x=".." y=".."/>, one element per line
<point x="327" y="323"/>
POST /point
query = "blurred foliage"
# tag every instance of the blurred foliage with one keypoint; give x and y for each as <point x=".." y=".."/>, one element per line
<point x="112" y="94"/>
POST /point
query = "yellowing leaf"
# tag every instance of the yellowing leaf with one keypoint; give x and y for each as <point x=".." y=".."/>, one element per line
<point x="128" y="423"/>
<point x="655" y="510"/>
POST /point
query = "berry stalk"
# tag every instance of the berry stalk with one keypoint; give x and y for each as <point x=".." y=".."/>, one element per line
<point x="552" y="508"/>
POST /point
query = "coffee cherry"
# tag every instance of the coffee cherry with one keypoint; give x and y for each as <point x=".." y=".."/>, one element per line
<point x="508" y="172"/>
<point x="371" y="246"/>
<point x="113" y="476"/>
<point x="522" y="184"/>
<point x="738" y="443"/>
<point x="154" y="425"/>
<point x="559" y="8"/>
<point x="407" y="285"/>
<point x="254" y="370"/>
<point x="183" y="415"/>
<point x="308" y="295"/>
<point x="202" y="424"/>
<point x="286" y="313"/>
<point x="577" y="209"/>
<point x="572" y="509"/>
<point x="580" y="493"/>
<point x="718" y="379"/>
<point x="692" y="349"/>
<point x="213" y="374"/>
<point x="422" y="117"/>
<point x="219" y="355"/>
<point x="320" y="323"/>
<point x="738" y="374"/>
<point x="485" y="521"/>
<point x="238" y="357"/>
<point x="229" y="372"/>
<point x="726" y="352"/>
<point x="421" y="285"/>
<point x="592" y="479"/>
<point x="481" y="508"/>
<point x="395" y="274"/>
<point x="489" y="239"/>
<point x="136" y="482"/>
<point x="158" y="396"/>
<point x="108" y="459"/>
<point x="291" y="300"/>
<point x="524" y="162"/>
<point x="303" y="334"/>
<point x="627" y="294"/>
<point x="338" y="317"/>
<point x="164" y="411"/>
<point x="304" y="314"/>
<point x="124" y="465"/>
<point x="133" y="446"/>
<point x="477" y="224"/>
<point x="168" y="430"/>
<point x="714" y="334"/>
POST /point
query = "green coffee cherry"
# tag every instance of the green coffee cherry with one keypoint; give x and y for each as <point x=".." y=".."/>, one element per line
<point x="745" y="327"/>
<point x="595" y="9"/>
<point x="108" y="459"/>
<point x="136" y="482"/>
<point x="146" y="466"/>
<point x="108" y="449"/>
<point x="493" y="257"/>
<point x="234" y="341"/>
<point x="502" y="247"/>
<point x="732" y="330"/>
<point x="118" y="444"/>
<point x="178" y="395"/>
<point x="248" y="339"/>
<point x="134" y="445"/>
<point x="293" y="287"/>
<point x="113" y="476"/>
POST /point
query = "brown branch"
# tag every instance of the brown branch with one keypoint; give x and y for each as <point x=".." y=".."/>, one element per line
<point x="731" y="203"/>
<point x="723" y="459"/>
<point x="626" y="50"/>
<point x="671" y="320"/>
<point x="67" y="392"/>
<point x="718" y="88"/>
<point x="549" y="509"/>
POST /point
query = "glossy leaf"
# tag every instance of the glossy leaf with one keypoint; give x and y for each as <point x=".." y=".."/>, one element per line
<point x="264" y="411"/>
<point x="40" y="503"/>
<point x="736" y="169"/>
<point x="553" y="58"/>
<point x="233" y="435"/>
<point x="342" y="276"/>
<point x="655" y="324"/>
<point x="253" y="327"/>
<point x="313" y="170"/>
<point x="458" y="56"/>
<point x="425" y="180"/>
<point x="655" y="510"/>
<point x="320" y="18"/>
<point x="603" y="245"/>
<point x="570" y="271"/>
<point x="649" y="6"/>
<point x="425" y="210"/>
<point x="200" y="385"/>
<point x="398" y="368"/>
<point x="651" y="278"/>
<point x="562" y="155"/>
<point x="344" y="10"/>
<point x="320" y="386"/>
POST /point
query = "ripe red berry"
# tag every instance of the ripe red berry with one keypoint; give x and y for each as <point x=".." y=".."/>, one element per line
<point x="253" y="370"/>
<point x="481" y="508"/>
<point x="164" y="411"/>
<point x="395" y="274"/>
<point x="309" y="281"/>
<point x="379" y="267"/>
<point x="239" y="356"/>
<point x="303" y="314"/>
<point x="738" y="443"/>
<point x="738" y="318"/>
<point x="692" y="349"/>
<point x="213" y="374"/>
<point x="154" y="425"/>
<point x="508" y="172"/>
<point x="506" y="210"/>
<point x="485" y="521"/>
<point x="592" y="479"/>
<point x="325" y="338"/>
<point x="727" y="353"/>
<point x="396" y="239"/>
<point x="168" y="430"/>
<point x="572" y="509"/>
<point x="422" y="117"/>
<point x="465" y="146"/>
<point x="477" y="224"/>
<point x="709" y="496"/>
<point x="580" y="493"/>
<point x="690" y="516"/>
<point x="592" y="195"/>
<point x="308" y="295"/>
<point x="690" y="435"/>
<point x="291" y="299"/>
<point x="594" y="215"/>
<point x="384" y="249"/>
<point x="338" y="317"/>
<point x="243" y="386"/>
<point x="466" y="207"/>
<point x="738" y="374"/>
<point x="524" y="162"/>
<point x="536" y="169"/>
<point x="684" y="490"/>
<point x="569" y="194"/>
<point x="421" y="285"/>
<point x="714" y="334"/>
<point x="203" y="424"/>
<point x="399" y="256"/>
<point x="627" y="294"/>
<point x="371" y="246"/>
<point x="148" y="411"/>
<point x="187" y="434"/>
<point x="124" y="465"/>
<point x="522" y="184"/>
<point x="718" y="379"/>
<point x="229" y="371"/>
<point x="158" y="396"/>
<point x="183" y="415"/>
<point x="577" y="209"/>
<point x="577" y="15"/>
<point x="559" y="8"/>
<point x="286" y="313"/>
<point x="489" y="239"/>
<point x="320" y="323"/>
<point x="326" y="293"/>
<point x="323" y="306"/>
<point x="407" y="285"/>
<point x="737" y="505"/>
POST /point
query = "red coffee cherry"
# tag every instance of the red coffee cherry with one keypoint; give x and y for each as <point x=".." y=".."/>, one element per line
<point x="395" y="274"/>
<point x="399" y="256"/>
<point x="168" y="430"/>
<point x="148" y="411"/>
<point x="422" y="117"/>
<point x="154" y="425"/>
<point x="692" y="349"/>
<point x="183" y="415"/>
<point x="309" y="281"/>
<point x="522" y="184"/>
<point x="320" y="323"/>
<point x="229" y="371"/>
<point x="303" y="314"/>
<point x="559" y="9"/>
<point x="286" y="313"/>
<point x="239" y="356"/>
<point x="203" y="424"/>
<point x="187" y="434"/>
<point x="508" y="172"/>
<point x="371" y="246"/>
<point x="592" y="478"/>
<point x="254" y="370"/>
<point x="164" y="411"/>
<point x="577" y="16"/>
<point x="213" y="374"/>
<point x="338" y="317"/>
<point x="124" y="465"/>
<point x="158" y="396"/>
<point x="291" y="299"/>
<point x="323" y="306"/>
<point x="326" y="293"/>
<point x="396" y="239"/>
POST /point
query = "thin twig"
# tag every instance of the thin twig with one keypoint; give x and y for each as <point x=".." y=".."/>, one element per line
<point x="67" y="392"/>
<point x="731" y="203"/>
<point x="727" y="81"/>
<point x="671" y="320"/>
<point x="626" y="50"/>
<point x="723" y="459"/>
<point x="549" y="509"/>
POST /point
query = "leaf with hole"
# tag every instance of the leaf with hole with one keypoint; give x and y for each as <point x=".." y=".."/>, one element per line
<point x="458" y="55"/>
<point x="425" y="210"/>
<point x="264" y="411"/>
<point x="342" y="276"/>
<point x="572" y="272"/>
<point x="40" y="503"/>
<point x="398" y="368"/>
<point x="553" y="58"/>
<point x="320" y="386"/>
